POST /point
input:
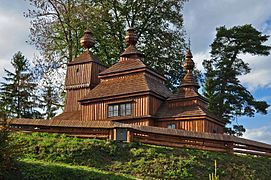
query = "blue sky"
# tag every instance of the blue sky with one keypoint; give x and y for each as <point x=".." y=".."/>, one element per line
<point x="201" y="19"/>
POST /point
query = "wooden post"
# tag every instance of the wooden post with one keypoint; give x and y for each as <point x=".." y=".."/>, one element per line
<point x="229" y="147"/>
<point x="130" y="136"/>
<point x="114" y="134"/>
<point x="111" y="134"/>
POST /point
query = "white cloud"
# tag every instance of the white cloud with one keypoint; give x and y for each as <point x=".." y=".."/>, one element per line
<point x="14" y="31"/>
<point x="202" y="18"/>
<point x="262" y="134"/>
<point x="199" y="57"/>
<point x="259" y="77"/>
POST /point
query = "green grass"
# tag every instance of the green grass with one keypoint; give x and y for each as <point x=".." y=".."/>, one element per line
<point x="36" y="169"/>
<point x="58" y="153"/>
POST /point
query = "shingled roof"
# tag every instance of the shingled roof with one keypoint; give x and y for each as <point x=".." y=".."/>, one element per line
<point x="122" y="66"/>
<point x="184" y="111"/>
<point x="166" y="111"/>
<point x="85" y="57"/>
<point x="62" y="123"/>
<point x="74" y="115"/>
<point x="129" y="76"/>
<point x="184" y="93"/>
<point x="128" y="85"/>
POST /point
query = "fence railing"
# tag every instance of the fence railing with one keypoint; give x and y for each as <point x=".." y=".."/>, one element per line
<point x="148" y="134"/>
<point x="202" y="141"/>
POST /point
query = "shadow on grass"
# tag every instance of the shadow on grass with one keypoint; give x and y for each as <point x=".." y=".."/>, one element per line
<point x="57" y="171"/>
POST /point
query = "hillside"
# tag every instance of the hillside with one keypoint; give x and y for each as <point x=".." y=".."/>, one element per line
<point x="54" y="156"/>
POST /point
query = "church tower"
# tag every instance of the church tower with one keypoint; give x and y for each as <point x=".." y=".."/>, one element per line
<point x="82" y="74"/>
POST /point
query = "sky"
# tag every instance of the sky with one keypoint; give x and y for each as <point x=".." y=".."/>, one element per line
<point x="200" y="19"/>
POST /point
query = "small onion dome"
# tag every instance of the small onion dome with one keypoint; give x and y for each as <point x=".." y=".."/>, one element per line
<point x="189" y="80"/>
<point x="87" y="41"/>
<point x="130" y="37"/>
<point x="189" y="63"/>
<point x="131" y="50"/>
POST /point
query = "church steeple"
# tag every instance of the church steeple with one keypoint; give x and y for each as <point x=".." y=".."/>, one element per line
<point x="131" y="51"/>
<point x="189" y="80"/>
<point x="82" y="74"/>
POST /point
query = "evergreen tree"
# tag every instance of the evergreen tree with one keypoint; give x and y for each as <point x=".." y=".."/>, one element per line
<point x="50" y="101"/>
<point x="228" y="98"/>
<point x="17" y="91"/>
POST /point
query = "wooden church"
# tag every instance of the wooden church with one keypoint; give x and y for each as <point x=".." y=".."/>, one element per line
<point x="130" y="102"/>
<point x="129" y="92"/>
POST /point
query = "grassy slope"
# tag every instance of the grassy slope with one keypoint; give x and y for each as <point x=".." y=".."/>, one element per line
<point x="144" y="161"/>
<point x="36" y="169"/>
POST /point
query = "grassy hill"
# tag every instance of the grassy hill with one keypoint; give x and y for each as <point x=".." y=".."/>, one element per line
<point x="52" y="156"/>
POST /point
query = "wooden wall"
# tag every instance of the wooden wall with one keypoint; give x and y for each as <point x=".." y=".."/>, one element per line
<point x="72" y="97"/>
<point x="98" y="111"/>
<point x="78" y="74"/>
<point x="139" y="122"/>
<point x="213" y="127"/>
<point x="154" y="104"/>
<point x="141" y="106"/>
<point x="198" y="125"/>
<point x="95" y="70"/>
<point x="86" y="73"/>
<point x="190" y="125"/>
<point x="80" y="79"/>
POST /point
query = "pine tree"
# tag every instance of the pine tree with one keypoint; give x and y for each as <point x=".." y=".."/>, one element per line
<point x="17" y="91"/>
<point x="50" y="101"/>
<point x="228" y="98"/>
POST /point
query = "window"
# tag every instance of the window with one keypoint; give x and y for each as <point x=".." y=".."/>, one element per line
<point x="171" y="126"/>
<point x="124" y="109"/>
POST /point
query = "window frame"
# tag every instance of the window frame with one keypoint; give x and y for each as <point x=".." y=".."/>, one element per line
<point x="119" y="109"/>
<point x="172" y="126"/>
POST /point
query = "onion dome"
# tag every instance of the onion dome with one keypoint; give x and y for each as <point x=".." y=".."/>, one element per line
<point x="87" y="41"/>
<point x="189" y="80"/>
<point x="131" y="51"/>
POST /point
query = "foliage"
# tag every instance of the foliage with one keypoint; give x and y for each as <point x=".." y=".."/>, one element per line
<point x="5" y="155"/>
<point x="56" y="27"/>
<point x="228" y="98"/>
<point x="18" y="90"/>
<point x="50" y="100"/>
<point x="142" y="161"/>
<point x="9" y="150"/>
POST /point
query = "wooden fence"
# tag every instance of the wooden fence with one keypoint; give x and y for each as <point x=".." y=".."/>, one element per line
<point x="202" y="141"/>
<point x="146" y="134"/>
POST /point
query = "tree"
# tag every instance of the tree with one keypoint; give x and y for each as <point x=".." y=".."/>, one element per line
<point x="228" y="98"/>
<point x="5" y="154"/>
<point x="50" y="101"/>
<point x="17" y="91"/>
<point x="57" y="26"/>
